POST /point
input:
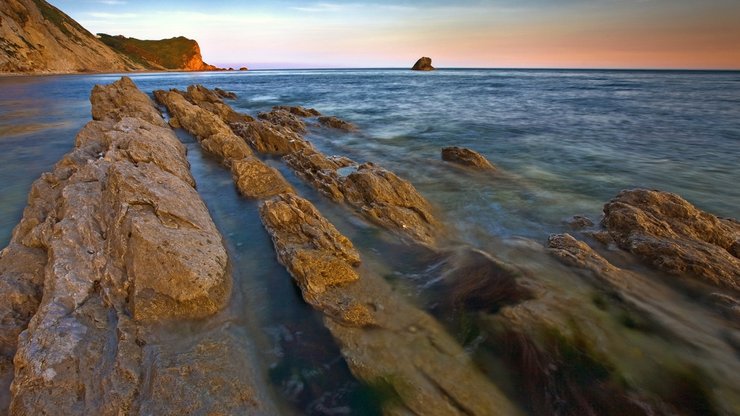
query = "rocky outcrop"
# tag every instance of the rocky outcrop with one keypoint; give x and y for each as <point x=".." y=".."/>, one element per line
<point x="669" y="233"/>
<point x="227" y="95"/>
<point x="337" y="123"/>
<point x="423" y="64"/>
<point x="179" y="53"/>
<point x="36" y="37"/>
<point x="387" y="342"/>
<point x="118" y="241"/>
<point x="252" y="176"/>
<point x="466" y="157"/>
<point x="378" y="194"/>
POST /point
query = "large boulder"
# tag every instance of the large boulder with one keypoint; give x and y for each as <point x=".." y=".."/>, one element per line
<point x="671" y="234"/>
<point x="466" y="157"/>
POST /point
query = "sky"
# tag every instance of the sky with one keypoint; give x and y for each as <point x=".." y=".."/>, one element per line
<point x="671" y="34"/>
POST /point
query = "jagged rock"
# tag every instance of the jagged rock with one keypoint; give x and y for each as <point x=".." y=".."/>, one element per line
<point x="285" y="119"/>
<point x="225" y="94"/>
<point x="466" y="157"/>
<point x="312" y="250"/>
<point x="128" y="244"/>
<point x="254" y="179"/>
<point x="423" y="64"/>
<point x="212" y="133"/>
<point x="126" y="100"/>
<point x="270" y="139"/>
<point x="36" y="37"/>
<point x="319" y="170"/>
<point x="211" y="101"/>
<point x="336" y="123"/>
<point x="298" y="110"/>
<point x="386" y="341"/>
<point x="577" y="253"/>
<point x="391" y="202"/>
<point x="578" y="222"/>
<point x="674" y="236"/>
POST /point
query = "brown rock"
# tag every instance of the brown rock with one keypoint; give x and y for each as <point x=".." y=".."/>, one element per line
<point x="244" y="68"/>
<point x="312" y="250"/>
<point x="225" y="94"/>
<point x="254" y="179"/>
<point x="336" y="123"/>
<point x="212" y="133"/>
<point x="466" y="157"/>
<point x="671" y="234"/>
<point x="128" y="243"/>
<point x="320" y="171"/>
<point x="298" y="110"/>
<point x="265" y="137"/>
<point x="385" y="340"/>
<point x="578" y="222"/>
<point x="285" y="119"/>
<point x="423" y="64"/>
<point x="391" y="202"/>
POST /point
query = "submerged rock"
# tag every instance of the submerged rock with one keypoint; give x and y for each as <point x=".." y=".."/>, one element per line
<point x="337" y="123"/>
<point x="225" y="94"/>
<point x="672" y="235"/>
<point x="388" y="343"/>
<point x="298" y="110"/>
<point x="423" y="64"/>
<point x="466" y="157"/>
<point x="122" y="242"/>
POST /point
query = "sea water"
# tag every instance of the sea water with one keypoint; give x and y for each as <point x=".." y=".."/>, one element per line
<point x="564" y="143"/>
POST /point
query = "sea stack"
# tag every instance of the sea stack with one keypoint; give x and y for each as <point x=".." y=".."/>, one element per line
<point x="423" y="64"/>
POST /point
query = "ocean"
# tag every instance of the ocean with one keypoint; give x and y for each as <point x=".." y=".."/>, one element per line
<point x="564" y="142"/>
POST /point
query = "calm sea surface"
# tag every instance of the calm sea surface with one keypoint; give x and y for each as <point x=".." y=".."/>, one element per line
<point x="565" y="143"/>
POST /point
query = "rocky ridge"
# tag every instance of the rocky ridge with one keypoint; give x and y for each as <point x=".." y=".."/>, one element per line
<point x="116" y="240"/>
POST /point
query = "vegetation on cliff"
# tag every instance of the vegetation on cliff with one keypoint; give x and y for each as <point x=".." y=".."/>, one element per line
<point x="175" y="53"/>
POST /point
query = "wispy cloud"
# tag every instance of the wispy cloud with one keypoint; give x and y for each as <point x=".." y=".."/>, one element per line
<point x="112" y="2"/>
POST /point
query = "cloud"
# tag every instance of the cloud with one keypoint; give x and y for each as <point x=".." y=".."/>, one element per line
<point x="103" y="15"/>
<point x="112" y="2"/>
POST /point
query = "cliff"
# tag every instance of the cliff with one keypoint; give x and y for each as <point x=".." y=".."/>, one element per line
<point x="175" y="53"/>
<point x="36" y="37"/>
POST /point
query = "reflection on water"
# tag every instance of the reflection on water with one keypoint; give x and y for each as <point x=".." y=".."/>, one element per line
<point x="564" y="141"/>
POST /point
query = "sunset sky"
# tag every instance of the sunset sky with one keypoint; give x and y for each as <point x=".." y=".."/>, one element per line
<point x="468" y="33"/>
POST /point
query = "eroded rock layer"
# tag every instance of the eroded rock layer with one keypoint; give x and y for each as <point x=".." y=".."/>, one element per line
<point x="113" y="241"/>
<point x="387" y="342"/>
<point x="378" y="194"/>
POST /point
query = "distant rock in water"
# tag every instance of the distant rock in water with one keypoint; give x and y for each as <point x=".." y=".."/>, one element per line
<point x="244" y="68"/>
<point x="466" y="157"/>
<point x="36" y="37"/>
<point x="178" y="53"/>
<point x="423" y="64"/>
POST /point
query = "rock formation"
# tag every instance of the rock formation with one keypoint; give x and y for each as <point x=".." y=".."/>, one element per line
<point x="179" y="53"/>
<point x="423" y="64"/>
<point x="117" y="240"/>
<point x="386" y="341"/>
<point x="252" y="176"/>
<point x="378" y="194"/>
<point x="669" y="233"/>
<point x="466" y="157"/>
<point x="36" y="37"/>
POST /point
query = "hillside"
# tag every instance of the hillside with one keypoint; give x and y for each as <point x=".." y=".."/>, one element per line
<point x="175" y="53"/>
<point x="36" y="37"/>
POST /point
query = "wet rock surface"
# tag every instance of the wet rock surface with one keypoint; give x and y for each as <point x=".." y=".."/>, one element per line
<point x="672" y="235"/>
<point x="336" y="123"/>
<point x="387" y="342"/>
<point x="118" y="241"/>
<point x="378" y="194"/>
<point x="466" y="157"/>
<point x="206" y="122"/>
